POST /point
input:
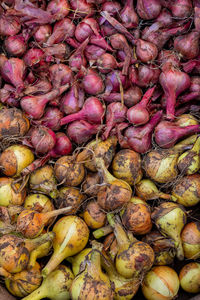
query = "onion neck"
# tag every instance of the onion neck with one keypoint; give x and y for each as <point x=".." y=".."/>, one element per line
<point x="170" y="105"/>
<point x="147" y="97"/>
<point x="50" y="214"/>
<point x="32" y="244"/>
<point x="149" y="127"/>
<point x="38" y="294"/>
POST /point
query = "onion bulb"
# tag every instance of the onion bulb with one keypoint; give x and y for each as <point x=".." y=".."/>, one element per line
<point x="134" y="258"/>
<point x="160" y="283"/>
<point x="25" y="282"/>
<point x="69" y="196"/>
<point x="126" y="165"/>
<point x="147" y="190"/>
<point x="92" y="283"/>
<point x="71" y="236"/>
<point x="170" y="219"/>
<point x="68" y="171"/>
<point x="7" y="194"/>
<point x="14" y="159"/>
<point x="41" y="251"/>
<point x="79" y="260"/>
<point x="186" y="120"/>
<point x="136" y="216"/>
<point x="55" y="286"/>
<point x="190" y="237"/>
<point x="187" y="190"/>
<point x="38" y="202"/>
<point x="190" y="277"/>
<point x="189" y="161"/>
<point x="91" y="184"/>
<point x="93" y="215"/>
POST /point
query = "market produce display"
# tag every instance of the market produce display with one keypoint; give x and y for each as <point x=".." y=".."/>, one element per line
<point x="99" y="149"/>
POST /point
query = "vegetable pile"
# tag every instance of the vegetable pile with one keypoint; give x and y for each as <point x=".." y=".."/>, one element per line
<point x="100" y="149"/>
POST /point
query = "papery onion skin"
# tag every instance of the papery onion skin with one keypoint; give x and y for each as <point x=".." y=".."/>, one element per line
<point x="190" y="277"/>
<point x="190" y="237"/>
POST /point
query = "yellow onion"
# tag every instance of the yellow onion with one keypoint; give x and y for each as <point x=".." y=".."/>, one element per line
<point x="55" y="286"/>
<point x="13" y="123"/>
<point x="71" y="236"/>
<point x="163" y="248"/>
<point x="14" y="251"/>
<point x="92" y="283"/>
<point x="190" y="277"/>
<point x="123" y="288"/>
<point x="91" y="184"/>
<point x="187" y="190"/>
<point x="170" y="219"/>
<point x="114" y="193"/>
<point x="127" y="166"/>
<point x="41" y="251"/>
<point x="190" y="237"/>
<point x="14" y="159"/>
<point x="38" y="202"/>
<point x="186" y="120"/>
<point x="25" y="282"/>
<point x="9" y="196"/>
<point x="31" y="223"/>
<point x="147" y="190"/>
<point x="69" y="171"/>
<point x="136" y="217"/>
<point x="43" y="180"/>
<point x="98" y="149"/>
<point x="160" y="283"/>
<point x="189" y="161"/>
<point x="134" y="258"/>
<point x="93" y="215"/>
<point x="69" y="196"/>
<point x="161" y="165"/>
<point x="79" y="260"/>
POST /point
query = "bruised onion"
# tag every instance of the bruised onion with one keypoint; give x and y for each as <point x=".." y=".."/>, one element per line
<point x="190" y="237"/>
<point x="160" y="283"/>
<point x="93" y="215"/>
<point x="38" y="202"/>
<point x="69" y="196"/>
<point x="9" y="196"/>
<point x="189" y="277"/>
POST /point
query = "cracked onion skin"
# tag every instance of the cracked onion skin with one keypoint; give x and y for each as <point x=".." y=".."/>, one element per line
<point x="190" y="237"/>
<point x="7" y="194"/>
<point x="187" y="190"/>
<point x="126" y="165"/>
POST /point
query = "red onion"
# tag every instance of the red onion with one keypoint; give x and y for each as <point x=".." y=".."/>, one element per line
<point x="168" y="133"/>
<point x="81" y="131"/>
<point x="62" y="29"/>
<point x="30" y="78"/>
<point x="106" y="63"/>
<point x="107" y="29"/>
<point x="197" y="15"/>
<point x="81" y="7"/>
<point x="34" y="106"/>
<point x="62" y="147"/>
<point x="115" y="81"/>
<point x="77" y="59"/>
<point x="112" y="7"/>
<point x="60" y="74"/>
<point x="40" y="86"/>
<point x="15" y="45"/>
<point x="131" y="96"/>
<point x="92" y="111"/>
<point x="51" y="118"/>
<point x="92" y="52"/>
<point x="13" y="71"/>
<point x="42" y="34"/>
<point x="168" y="58"/>
<point x="8" y="94"/>
<point x="43" y="139"/>
<point x="33" y="56"/>
<point x="148" y="9"/>
<point x="194" y="91"/>
<point x="128" y="15"/>
<point x="73" y="100"/>
<point x="145" y="75"/>
<point x="138" y="114"/>
<point x="9" y="25"/>
<point x="173" y="82"/>
<point x="115" y="113"/>
<point x="58" y="51"/>
<point x="191" y="65"/>
<point x="146" y="51"/>
<point x="188" y="45"/>
<point x="72" y="42"/>
<point x="164" y="18"/>
<point x="119" y="42"/>
<point x="180" y="8"/>
<point x="92" y="82"/>
<point x="58" y="8"/>
<point x="139" y="138"/>
<point x="121" y="56"/>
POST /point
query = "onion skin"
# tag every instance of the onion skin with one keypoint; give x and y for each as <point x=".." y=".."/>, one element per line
<point x="126" y="165"/>
<point x="190" y="237"/>
<point x="148" y="10"/>
<point x="161" y="283"/>
<point x="187" y="190"/>
<point x="69" y="196"/>
<point x="7" y="195"/>
<point x="94" y="216"/>
<point x="190" y="277"/>
<point x="91" y="184"/>
<point x="182" y="44"/>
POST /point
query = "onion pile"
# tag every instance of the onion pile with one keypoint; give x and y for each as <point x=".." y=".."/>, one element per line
<point x="100" y="140"/>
